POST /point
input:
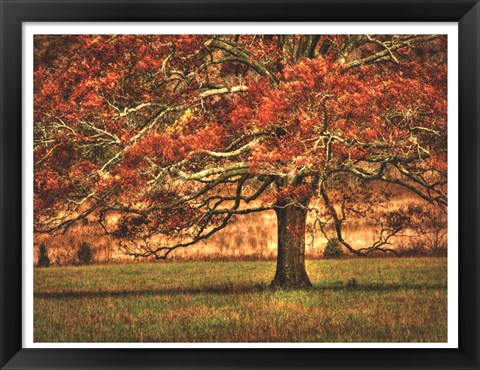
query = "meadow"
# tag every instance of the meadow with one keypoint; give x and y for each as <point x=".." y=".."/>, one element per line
<point x="352" y="300"/>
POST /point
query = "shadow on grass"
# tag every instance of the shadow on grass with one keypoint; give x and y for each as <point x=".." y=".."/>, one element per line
<point x="232" y="289"/>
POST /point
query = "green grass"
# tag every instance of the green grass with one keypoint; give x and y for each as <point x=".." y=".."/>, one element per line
<point x="353" y="300"/>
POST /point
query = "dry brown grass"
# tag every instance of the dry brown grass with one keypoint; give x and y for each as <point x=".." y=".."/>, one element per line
<point x="250" y="237"/>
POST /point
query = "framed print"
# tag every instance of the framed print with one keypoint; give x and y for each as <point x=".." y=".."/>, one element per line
<point x="255" y="185"/>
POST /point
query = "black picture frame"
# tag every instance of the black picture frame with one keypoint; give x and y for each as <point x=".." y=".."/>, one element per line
<point x="14" y="12"/>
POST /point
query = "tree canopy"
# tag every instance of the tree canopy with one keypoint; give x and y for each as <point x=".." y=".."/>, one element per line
<point x="177" y="135"/>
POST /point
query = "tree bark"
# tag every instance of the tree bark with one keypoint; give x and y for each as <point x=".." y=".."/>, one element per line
<point x="291" y="272"/>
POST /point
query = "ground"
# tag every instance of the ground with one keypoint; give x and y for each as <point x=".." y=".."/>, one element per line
<point x="352" y="300"/>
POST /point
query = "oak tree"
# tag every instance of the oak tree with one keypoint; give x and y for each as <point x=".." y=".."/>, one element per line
<point x="177" y="135"/>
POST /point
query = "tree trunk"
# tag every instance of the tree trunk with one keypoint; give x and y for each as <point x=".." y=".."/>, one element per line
<point x="291" y="271"/>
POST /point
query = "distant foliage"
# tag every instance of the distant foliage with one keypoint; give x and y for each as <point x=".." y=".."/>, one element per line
<point x="43" y="259"/>
<point x="333" y="249"/>
<point x="85" y="254"/>
<point x="428" y="231"/>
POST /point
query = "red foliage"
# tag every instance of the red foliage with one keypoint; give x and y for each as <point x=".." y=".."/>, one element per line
<point x="124" y="109"/>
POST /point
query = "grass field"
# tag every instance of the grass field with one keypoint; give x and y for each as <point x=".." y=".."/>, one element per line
<point x="353" y="300"/>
